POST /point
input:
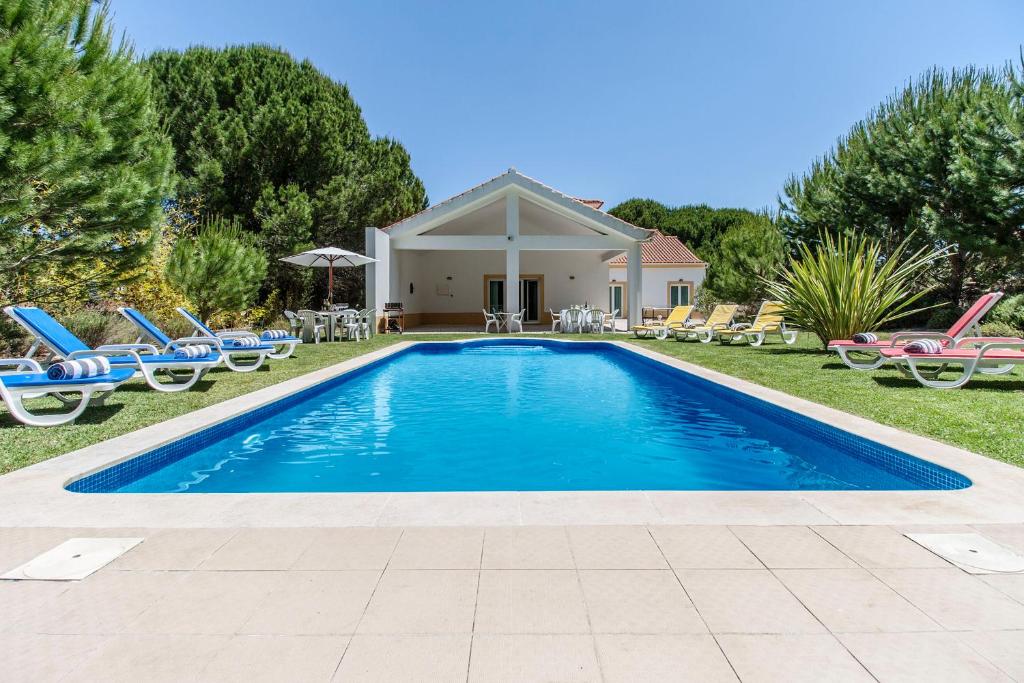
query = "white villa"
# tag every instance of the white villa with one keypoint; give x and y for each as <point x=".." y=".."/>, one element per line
<point x="449" y="262"/>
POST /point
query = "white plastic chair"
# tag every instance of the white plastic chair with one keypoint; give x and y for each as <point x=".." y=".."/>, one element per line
<point x="609" y="320"/>
<point x="595" y="321"/>
<point x="572" y="321"/>
<point x="491" y="319"/>
<point x="368" y="320"/>
<point x="313" y="325"/>
<point x="351" y="323"/>
<point x="516" y="319"/>
<point x="556" y="320"/>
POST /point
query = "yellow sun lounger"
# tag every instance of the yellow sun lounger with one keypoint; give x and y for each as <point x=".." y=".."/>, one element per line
<point x="720" y="320"/>
<point x="769" y="320"/>
<point x="661" y="329"/>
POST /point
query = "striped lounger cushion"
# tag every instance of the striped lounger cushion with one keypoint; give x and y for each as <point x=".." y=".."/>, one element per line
<point x="79" y="369"/>
<point x="865" y="338"/>
<point x="193" y="351"/>
<point x="929" y="346"/>
<point x="275" y="334"/>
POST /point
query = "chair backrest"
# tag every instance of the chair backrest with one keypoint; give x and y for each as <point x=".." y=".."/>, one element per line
<point x="679" y="315"/>
<point x="309" y="317"/>
<point x="974" y="314"/>
<point x="488" y="316"/>
<point x="44" y="327"/>
<point x="770" y="313"/>
<point x="596" y="315"/>
<point x="145" y="325"/>
<point x="721" y="315"/>
<point x="574" y="315"/>
<point x="198" y="324"/>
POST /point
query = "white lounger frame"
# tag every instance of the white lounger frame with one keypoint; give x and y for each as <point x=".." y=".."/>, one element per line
<point x="14" y="396"/>
<point x="910" y="365"/>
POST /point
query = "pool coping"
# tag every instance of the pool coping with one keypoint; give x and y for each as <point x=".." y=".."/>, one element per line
<point x="35" y="496"/>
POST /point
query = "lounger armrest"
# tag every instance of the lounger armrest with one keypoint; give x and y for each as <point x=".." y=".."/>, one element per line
<point x="148" y="348"/>
<point x="910" y="336"/>
<point x="109" y="350"/>
<point x="210" y="341"/>
<point x="966" y="341"/>
<point x="999" y="346"/>
<point x="21" y="363"/>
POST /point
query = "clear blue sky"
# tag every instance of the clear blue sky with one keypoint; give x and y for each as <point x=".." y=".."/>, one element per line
<point x="685" y="102"/>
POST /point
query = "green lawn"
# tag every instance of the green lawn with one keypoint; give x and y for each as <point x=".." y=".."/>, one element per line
<point x="984" y="416"/>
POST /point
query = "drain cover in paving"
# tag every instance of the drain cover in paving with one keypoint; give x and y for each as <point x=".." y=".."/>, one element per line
<point x="73" y="559"/>
<point x="973" y="553"/>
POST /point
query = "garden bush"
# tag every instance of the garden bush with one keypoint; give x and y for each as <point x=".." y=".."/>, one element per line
<point x="1009" y="312"/>
<point x="943" y="318"/>
<point x="96" y="328"/>
<point x="1000" y="330"/>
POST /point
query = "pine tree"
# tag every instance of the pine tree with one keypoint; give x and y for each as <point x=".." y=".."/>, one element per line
<point x="83" y="165"/>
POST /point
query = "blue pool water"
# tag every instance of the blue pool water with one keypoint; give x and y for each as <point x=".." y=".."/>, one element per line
<point x="500" y="415"/>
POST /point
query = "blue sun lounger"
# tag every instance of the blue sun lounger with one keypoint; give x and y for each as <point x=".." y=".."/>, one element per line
<point x="283" y="346"/>
<point x="148" y="330"/>
<point x="28" y="380"/>
<point x="47" y="332"/>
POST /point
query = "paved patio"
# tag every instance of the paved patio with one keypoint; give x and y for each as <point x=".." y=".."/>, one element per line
<point x="580" y="603"/>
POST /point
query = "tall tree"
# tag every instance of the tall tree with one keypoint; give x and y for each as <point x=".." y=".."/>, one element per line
<point x="750" y="252"/>
<point x="699" y="226"/>
<point x="84" y="166"/>
<point x="284" y="149"/>
<point x="941" y="162"/>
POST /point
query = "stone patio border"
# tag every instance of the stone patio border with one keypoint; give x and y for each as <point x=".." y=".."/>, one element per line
<point x="35" y="496"/>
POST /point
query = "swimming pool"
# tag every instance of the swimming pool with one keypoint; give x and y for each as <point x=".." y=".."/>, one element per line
<point x="519" y="415"/>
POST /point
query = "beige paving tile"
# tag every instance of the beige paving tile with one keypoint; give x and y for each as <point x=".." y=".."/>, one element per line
<point x="913" y="657"/>
<point x="174" y="549"/>
<point x="628" y="658"/>
<point x="275" y="658"/>
<point x="261" y="549"/>
<point x="530" y="601"/>
<point x="854" y="600"/>
<point x="32" y="657"/>
<point x="405" y="658"/>
<point x="533" y="658"/>
<point x="313" y="603"/>
<point x="879" y="546"/>
<point x="438" y="548"/>
<point x="1004" y="649"/>
<point x="615" y="547"/>
<point x="791" y="659"/>
<point x="746" y="601"/>
<point x="26" y="606"/>
<point x="422" y="601"/>
<point x="359" y="548"/>
<point x="207" y="602"/>
<point x="958" y="601"/>
<point x="527" y="548"/>
<point x="791" y="547"/>
<point x="703" y="547"/>
<point x="107" y="602"/>
<point x="1010" y="584"/>
<point x="638" y="601"/>
<point x="150" y="658"/>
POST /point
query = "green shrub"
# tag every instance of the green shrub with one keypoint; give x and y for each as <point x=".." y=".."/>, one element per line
<point x="843" y="286"/>
<point x="1000" y="330"/>
<point x="1009" y="311"/>
<point x="943" y="318"/>
<point x="97" y="328"/>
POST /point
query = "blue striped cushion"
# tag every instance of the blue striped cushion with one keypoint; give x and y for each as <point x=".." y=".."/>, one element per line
<point x="78" y="369"/>
<point x="929" y="346"/>
<point x="193" y="351"/>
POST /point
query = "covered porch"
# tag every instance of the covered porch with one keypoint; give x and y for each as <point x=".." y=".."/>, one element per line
<point x="510" y="244"/>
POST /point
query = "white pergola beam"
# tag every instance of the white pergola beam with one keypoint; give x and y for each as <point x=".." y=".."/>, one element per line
<point x="601" y="243"/>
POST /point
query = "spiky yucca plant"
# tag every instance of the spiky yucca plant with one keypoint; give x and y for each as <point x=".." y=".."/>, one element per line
<point x="843" y="286"/>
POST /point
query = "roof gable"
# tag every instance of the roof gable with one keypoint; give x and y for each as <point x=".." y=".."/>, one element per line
<point x="491" y="190"/>
<point x="663" y="249"/>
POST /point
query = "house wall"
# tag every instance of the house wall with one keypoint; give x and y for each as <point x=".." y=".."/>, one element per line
<point x="436" y="299"/>
<point x="656" y="279"/>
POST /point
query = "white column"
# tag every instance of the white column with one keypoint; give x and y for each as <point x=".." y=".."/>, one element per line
<point x="378" y="275"/>
<point x="634" y="282"/>
<point x="512" y="253"/>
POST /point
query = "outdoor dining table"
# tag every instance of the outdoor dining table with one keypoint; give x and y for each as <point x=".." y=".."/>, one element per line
<point x="332" y="321"/>
<point x="584" y="321"/>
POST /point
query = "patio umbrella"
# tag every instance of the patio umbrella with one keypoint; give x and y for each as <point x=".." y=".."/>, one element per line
<point x="327" y="257"/>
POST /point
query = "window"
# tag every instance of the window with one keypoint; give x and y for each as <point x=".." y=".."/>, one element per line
<point x="679" y="294"/>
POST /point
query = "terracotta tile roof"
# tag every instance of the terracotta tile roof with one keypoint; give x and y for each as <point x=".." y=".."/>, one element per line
<point x="662" y="248"/>
<point x="592" y="203"/>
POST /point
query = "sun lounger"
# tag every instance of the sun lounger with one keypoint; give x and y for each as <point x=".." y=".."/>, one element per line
<point x="167" y="345"/>
<point x="719" y="321"/>
<point x="990" y="357"/>
<point x="769" y="320"/>
<point x="283" y="346"/>
<point x="968" y="324"/>
<point x="660" y="330"/>
<point x="27" y="380"/>
<point x="47" y="332"/>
